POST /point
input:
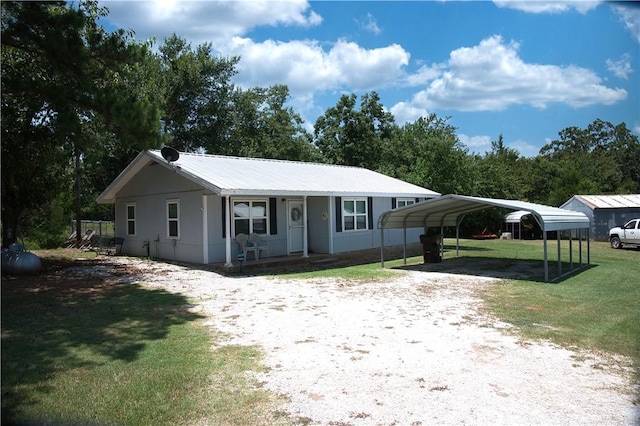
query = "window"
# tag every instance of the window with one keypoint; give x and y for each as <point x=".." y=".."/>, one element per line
<point x="173" y="219"/>
<point x="250" y="217"/>
<point x="131" y="219"/>
<point x="403" y="202"/>
<point x="354" y="214"/>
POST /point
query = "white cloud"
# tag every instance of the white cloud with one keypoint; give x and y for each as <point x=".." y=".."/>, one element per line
<point x="424" y="75"/>
<point x="630" y="16"/>
<point x="620" y="68"/>
<point x="524" y="148"/>
<point x="306" y="67"/>
<point x="370" y="24"/>
<point x="207" y="21"/>
<point x="477" y="144"/>
<point x="491" y="77"/>
<point x="405" y="112"/>
<point x="542" y="6"/>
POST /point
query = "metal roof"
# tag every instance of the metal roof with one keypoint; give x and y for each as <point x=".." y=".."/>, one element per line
<point x="449" y="210"/>
<point x="608" y="201"/>
<point x="516" y="217"/>
<point x="253" y="176"/>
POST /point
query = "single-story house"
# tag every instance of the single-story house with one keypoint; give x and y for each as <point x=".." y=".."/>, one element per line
<point x="605" y="211"/>
<point x="189" y="207"/>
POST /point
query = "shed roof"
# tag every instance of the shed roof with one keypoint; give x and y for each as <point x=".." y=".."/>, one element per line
<point x="608" y="201"/>
<point x="448" y="209"/>
<point x="225" y="175"/>
<point x="516" y="217"/>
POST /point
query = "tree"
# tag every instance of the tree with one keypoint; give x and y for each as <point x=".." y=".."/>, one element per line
<point x="428" y="153"/>
<point x="264" y="127"/>
<point x="198" y="93"/>
<point x="63" y="74"/>
<point x="499" y="172"/>
<point x="353" y="137"/>
<point x="601" y="159"/>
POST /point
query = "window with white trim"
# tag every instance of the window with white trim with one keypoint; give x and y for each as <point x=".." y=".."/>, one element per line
<point x="250" y="216"/>
<point x="354" y="214"/>
<point x="173" y="219"/>
<point x="131" y="218"/>
<point x="402" y="202"/>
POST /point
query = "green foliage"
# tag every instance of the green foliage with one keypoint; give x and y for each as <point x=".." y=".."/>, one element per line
<point x="354" y="137"/>
<point x="197" y="95"/>
<point x="264" y="127"/>
<point x="65" y="81"/>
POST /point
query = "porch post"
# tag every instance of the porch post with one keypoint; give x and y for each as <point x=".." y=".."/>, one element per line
<point x="205" y="231"/>
<point x="227" y="231"/>
<point x="382" y="246"/>
<point x="305" y="242"/>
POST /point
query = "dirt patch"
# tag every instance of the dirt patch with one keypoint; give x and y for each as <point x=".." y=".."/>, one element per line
<point x="416" y="349"/>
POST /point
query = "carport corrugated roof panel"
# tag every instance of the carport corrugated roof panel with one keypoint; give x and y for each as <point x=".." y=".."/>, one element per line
<point x="446" y="211"/>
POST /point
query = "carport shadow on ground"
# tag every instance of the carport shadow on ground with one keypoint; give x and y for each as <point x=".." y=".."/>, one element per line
<point x="502" y="268"/>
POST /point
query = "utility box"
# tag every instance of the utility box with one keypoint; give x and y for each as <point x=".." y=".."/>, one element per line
<point x="430" y="248"/>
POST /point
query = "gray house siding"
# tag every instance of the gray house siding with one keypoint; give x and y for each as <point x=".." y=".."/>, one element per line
<point x="319" y="221"/>
<point x="149" y="191"/>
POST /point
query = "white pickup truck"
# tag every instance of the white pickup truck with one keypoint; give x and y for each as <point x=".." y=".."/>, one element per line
<point x="629" y="234"/>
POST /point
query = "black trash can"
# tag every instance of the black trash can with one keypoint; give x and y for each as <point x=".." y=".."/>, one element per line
<point x="430" y="248"/>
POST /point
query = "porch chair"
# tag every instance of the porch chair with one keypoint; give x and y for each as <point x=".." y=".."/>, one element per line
<point x="259" y="245"/>
<point x="115" y="246"/>
<point x="243" y="242"/>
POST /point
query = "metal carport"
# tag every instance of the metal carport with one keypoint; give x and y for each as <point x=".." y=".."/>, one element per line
<point x="450" y="210"/>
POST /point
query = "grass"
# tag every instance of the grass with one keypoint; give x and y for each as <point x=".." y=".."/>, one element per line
<point x="82" y="350"/>
<point x="596" y="309"/>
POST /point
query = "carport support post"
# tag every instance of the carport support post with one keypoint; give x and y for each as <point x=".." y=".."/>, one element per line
<point x="580" y="244"/>
<point x="546" y="258"/>
<point x="404" y="245"/>
<point x="559" y="255"/>
<point x="571" y="251"/>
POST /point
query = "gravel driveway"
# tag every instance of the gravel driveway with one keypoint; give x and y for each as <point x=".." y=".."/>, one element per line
<point x="415" y="350"/>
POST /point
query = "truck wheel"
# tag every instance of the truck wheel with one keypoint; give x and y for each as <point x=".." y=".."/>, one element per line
<point x="615" y="243"/>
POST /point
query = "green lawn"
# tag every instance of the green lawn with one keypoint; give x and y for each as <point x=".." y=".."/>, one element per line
<point x="84" y="350"/>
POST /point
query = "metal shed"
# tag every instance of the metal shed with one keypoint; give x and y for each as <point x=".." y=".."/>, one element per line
<point x="450" y="210"/>
<point x="516" y="217"/>
<point x="605" y="211"/>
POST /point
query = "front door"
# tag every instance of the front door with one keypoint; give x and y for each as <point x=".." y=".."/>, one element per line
<point x="296" y="226"/>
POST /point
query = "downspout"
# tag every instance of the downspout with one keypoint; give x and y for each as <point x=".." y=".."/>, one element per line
<point x="227" y="231"/>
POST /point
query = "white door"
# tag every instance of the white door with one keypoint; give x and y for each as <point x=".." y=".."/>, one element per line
<point x="296" y="226"/>
<point x="632" y="232"/>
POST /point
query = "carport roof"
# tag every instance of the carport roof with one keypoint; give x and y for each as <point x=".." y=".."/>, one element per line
<point x="449" y="210"/>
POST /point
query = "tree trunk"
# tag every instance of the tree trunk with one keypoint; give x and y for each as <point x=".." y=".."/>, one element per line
<point x="10" y="226"/>
<point x="78" y="207"/>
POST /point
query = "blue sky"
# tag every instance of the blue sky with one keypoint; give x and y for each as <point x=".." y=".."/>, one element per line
<point x="525" y="70"/>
